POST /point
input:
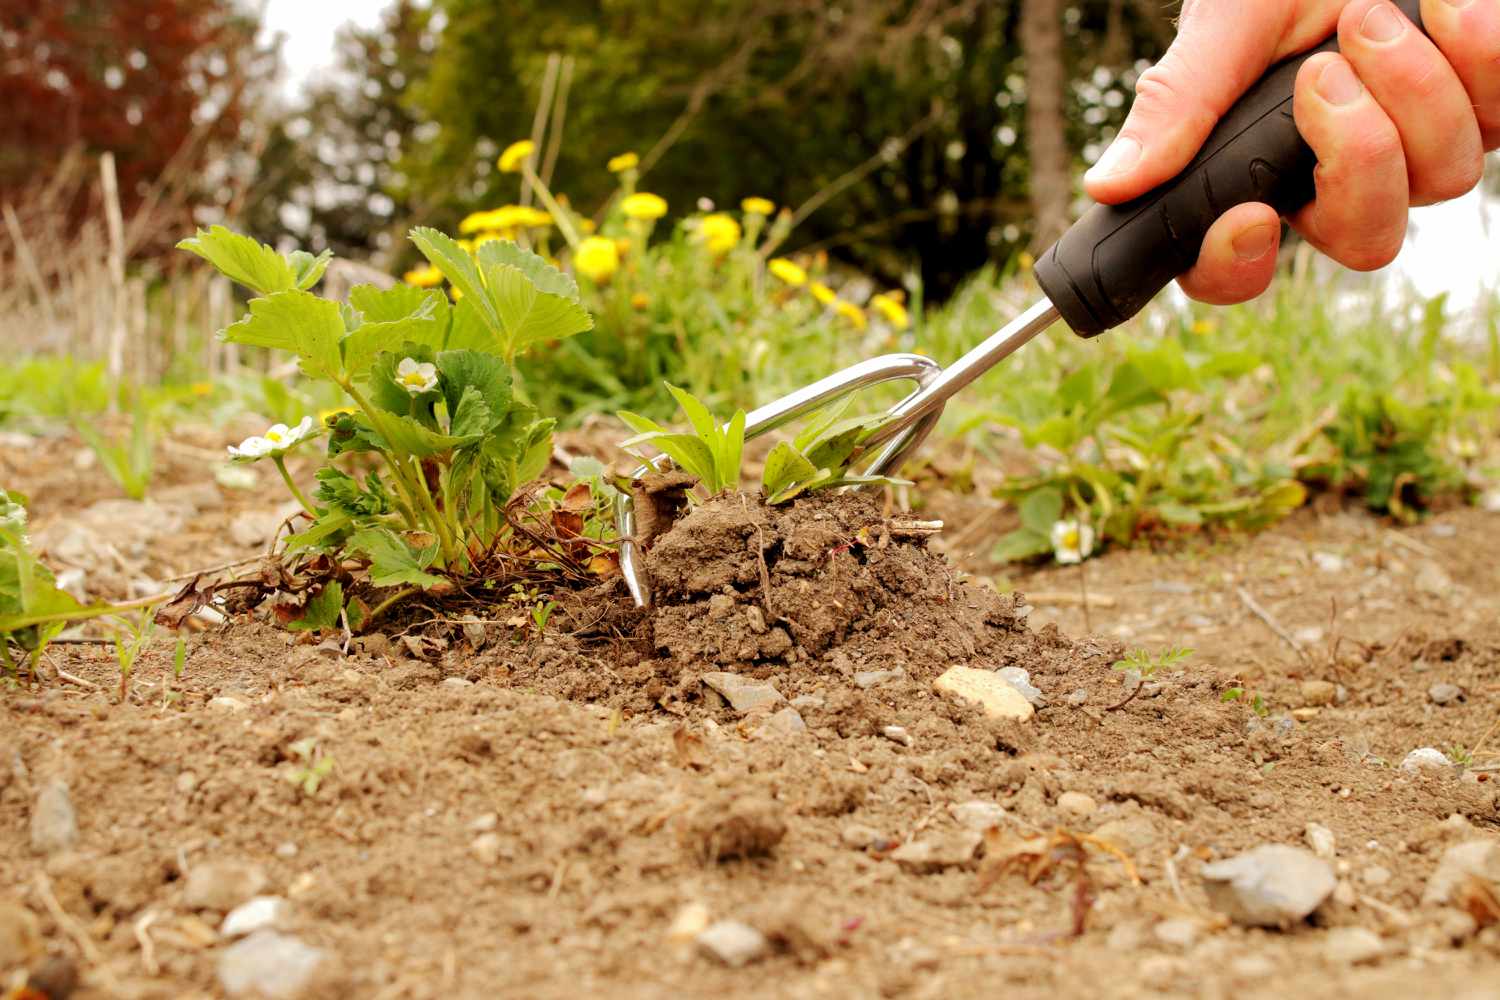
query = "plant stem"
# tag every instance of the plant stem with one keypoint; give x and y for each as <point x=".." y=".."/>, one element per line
<point x="398" y="474"/>
<point x="386" y="605"/>
<point x="439" y="523"/>
<point x="291" y="484"/>
<point x="559" y="214"/>
<point x="15" y="624"/>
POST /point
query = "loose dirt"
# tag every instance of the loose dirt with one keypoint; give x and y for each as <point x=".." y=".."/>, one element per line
<point x="504" y="816"/>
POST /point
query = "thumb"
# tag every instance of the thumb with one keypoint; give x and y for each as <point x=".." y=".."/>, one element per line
<point x="1222" y="48"/>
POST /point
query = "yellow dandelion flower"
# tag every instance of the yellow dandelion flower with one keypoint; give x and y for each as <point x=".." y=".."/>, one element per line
<point x="639" y="301"/>
<point x="597" y="258"/>
<point x="721" y="233"/>
<point x="644" y="206"/>
<point x="823" y="293"/>
<point x="853" y="313"/>
<point x="758" y="206"/>
<point x="1026" y="261"/>
<point x="790" y="273"/>
<point x="894" y="312"/>
<point x="424" y="277"/>
<point x="475" y="222"/>
<point x="202" y="388"/>
<point x="1203" y="327"/>
<point x="587" y="227"/>
<point x="516" y="154"/>
<point x="623" y="162"/>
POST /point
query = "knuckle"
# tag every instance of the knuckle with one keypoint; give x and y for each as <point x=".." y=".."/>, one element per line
<point x="1371" y="251"/>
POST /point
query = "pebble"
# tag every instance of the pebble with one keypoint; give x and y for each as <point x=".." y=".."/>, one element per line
<point x="985" y="688"/>
<point x="866" y="679"/>
<point x="1352" y="946"/>
<point x="858" y="836"/>
<point x="228" y="703"/>
<point x="222" y="885"/>
<point x="1445" y="694"/>
<point x="693" y="919"/>
<point x="270" y="964"/>
<point x="977" y="814"/>
<point x="755" y="618"/>
<point x="897" y="734"/>
<point x="1078" y="698"/>
<point x="1309" y="635"/>
<point x="54" y="824"/>
<point x="287" y="849"/>
<point x="1433" y="580"/>
<point x="786" y="722"/>
<point x="744" y="694"/>
<point x="20" y="936"/>
<point x="1077" y="804"/>
<point x="258" y="914"/>
<point x="1426" y="759"/>
<point x="1474" y="859"/>
<point x="1376" y="876"/>
<point x="933" y="854"/>
<point x="807" y="701"/>
<point x="1273" y="885"/>
<point x="1321" y="840"/>
<point x="1328" y="562"/>
<point x="486" y="847"/>
<point x="1021" y="681"/>
<point x="1177" y="933"/>
<point x="732" y="942"/>
<point x="485" y="823"/>
<point x="457" y="682"/>
<point x="1317" y="694"/>
<point x="186" y="782"/>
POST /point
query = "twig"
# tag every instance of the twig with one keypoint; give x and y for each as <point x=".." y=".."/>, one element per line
<point x="214" y="569"/>
<point x="1270" y="623"/>
<point x="80" y="938"/>
<point x="1139" y="683"/>
<point x="1171" y="867"/>
<point x="142" y="930"/>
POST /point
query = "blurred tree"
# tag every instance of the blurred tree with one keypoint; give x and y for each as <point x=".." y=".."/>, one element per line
<point x="160" y="83"/>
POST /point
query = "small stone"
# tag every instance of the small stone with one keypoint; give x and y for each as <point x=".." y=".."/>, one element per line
<point x="54" y="824"/>
<point x="287" y="850"/>
<point x="720" y="606"/>
<point x="222" y="885"/>
<point x="978" y="814"/>
<point x="1321" y="840"/>
<point x="744" y="694"/>
<point x="258" y="914"/>
<point x="1176" y="933"/>
<point x="1273" y="885"/>
<point x="732" y="942"/>
<point x="1434" y="581"/>
<point x="933" y="854"/>
<point x="755" y="618"/>
<point x="1376" y="876"/>
<point x="1473" y="859"/>
<point x="866" y="679"/>
<point x="485" y="823"/>
<point x="1352" y="946"/>
<point x="985" y="688"/>
<point x="1306" y="714"/>
<point x="1021" y="681"/>
<point x="807" y="702"/>
<point x="186" y="782"/>
<point x="20" y="936"/>
<point x="1328" y="562"/>
<point x="786" y="722"/>
<point x="457" y="682"/>
<point x="269" y="964"/>
<point x="897" y="734"/>
<point x="1077" y="804"/>
<point x="1317" y="694"/>
<point x="1078" y="698"/>
<point x="857" y="836"/>
<point x="1309" y="635"/>
<point x="475" y="634"/>
<point x="1198" y="622"/>
<point x="1426" y="760"/>
<point x="692" y="920"/>
<point x="486" y="847"/>
<point x="228" y="703"/>
<point x="1445" y="694"/>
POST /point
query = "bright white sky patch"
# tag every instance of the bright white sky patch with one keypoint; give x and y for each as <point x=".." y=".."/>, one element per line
<point x="309" y="27"/>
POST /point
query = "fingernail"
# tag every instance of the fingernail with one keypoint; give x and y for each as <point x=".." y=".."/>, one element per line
<point x="1253" y="243"/>
<point x="1382" y="24"/>
<point x="1121" y="155"/>
<point x="1338" y="85"/>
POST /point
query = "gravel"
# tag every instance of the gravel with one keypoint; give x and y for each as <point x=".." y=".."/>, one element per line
<point x="269" y="964"/>
<point x="222" y="885"/>
<point x="744" y="694"/>
<point x="1273" y="885"/>
<point x="54" y="824"/>
<point x="1426" y="759"/>
<point x="732" y="942"/>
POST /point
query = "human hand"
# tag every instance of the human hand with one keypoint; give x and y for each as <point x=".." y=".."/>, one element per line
<point x="1396" y="119"/>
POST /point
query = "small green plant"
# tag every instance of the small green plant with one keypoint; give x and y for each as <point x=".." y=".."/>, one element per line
<point x="1146" y="665"/>
<point x="311" y="767"/>
<point x="131" y="638"/>
<point x="128" y="459"/>
<point x="1257" y="703"/>
<point x="1461" y="755"/>
<point x="711" y="453"/>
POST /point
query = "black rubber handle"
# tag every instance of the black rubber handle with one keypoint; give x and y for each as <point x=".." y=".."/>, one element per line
<point x="1114" y="260"/>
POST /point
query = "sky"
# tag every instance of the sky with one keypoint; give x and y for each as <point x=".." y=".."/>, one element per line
<point x="1452" y="247"/>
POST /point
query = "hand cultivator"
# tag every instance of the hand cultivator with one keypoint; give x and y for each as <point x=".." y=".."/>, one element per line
<point x="1103" y="271"/>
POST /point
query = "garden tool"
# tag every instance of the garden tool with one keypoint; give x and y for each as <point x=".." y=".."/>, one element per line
<point x="1103" y="271"/>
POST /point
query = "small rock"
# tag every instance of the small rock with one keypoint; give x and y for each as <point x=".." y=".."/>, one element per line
<point x="1317" y="694"/>
<point x="1473" y="859"/>
<point x="1273" y="885"/>
<point x="786" y="722"/>
<point x="485" y="823"/>
<point x="222" y="885"/>
<point x="1445" y="694"/>
<point x="808" y="702"/>
<point x="755" y="618"/>
<point x="258" y="914"/>
<point x="1306" y="714"/>
<point x="985" y="688"/>
<point x="228" y="703"/>
<point x="1309" y="635"/>
<point x="1077" y="804"/>
<point x="866" y="679"/>
<point x="733" y="943"/>
<point x="720" y="606"/>
<point x="1490" y="502"/>
<point x="54" y="824"/>
<point x="186" y="782"/>
<point x="1126" y="937"/>
<point x="1426" y="759"/>
<point x="1433" y="580"/>
<point x="1376" y="876"/>
<point x="1078" y="698"/>
<point x="287" y="850"/>
<point x="254" y="527"/>
<point x="897" y="734"/>
<point x="457" y="682"/>
<point x="1328" y="562"/>
<point x="1198" y="622"/>
<point x="273" y="965"/>
<point x="1321" y="840"/>
<point x="978" y="814"/>
<point x="1177" y="933"/>
<point x="1352" y="946"/>
<point x="475" y="634"/>
<point x="486" y="847"/>
<point x="20" y="936"/>
<point x="1021" y="681"/>
<point x="933" y="854"/>
<point x="744" y="694"/>
<point x="857" y="836"/>
<point x="692" y="920"/>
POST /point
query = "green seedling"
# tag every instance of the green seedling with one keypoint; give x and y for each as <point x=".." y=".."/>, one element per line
<point x="1145" y="665"/>
<point x="312" y="767"/>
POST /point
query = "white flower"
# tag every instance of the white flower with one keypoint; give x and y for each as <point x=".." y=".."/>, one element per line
<point x="1072" y="542"/>
<point x="416" y="378"/>
<point x="278" y="440"/>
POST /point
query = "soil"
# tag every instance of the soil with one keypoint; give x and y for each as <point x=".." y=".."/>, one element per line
<point x="507" y="816"/>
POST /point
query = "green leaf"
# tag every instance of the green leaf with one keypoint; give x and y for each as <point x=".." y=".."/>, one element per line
<point x="731" y="450"/>
<point x="691" y="454"/>
<point x="785" y="466"/>
<point x="241" y="259"/>
<point x="459" y="371"/>
<point x="408" y="437"/>
<point x="703" y="422"/>
<point x="389" y="395"/>
<point x="472" y="417"/>
<point x="361" y="346"/>
<point x="387" y="305"/>
<point x="460" y="270"/>
<point x="294" y="321"/>
<point x="536" y="451"/>
<point x="547" y="279"/>
<point x="529" y="315"/>
<point x="1040" y="510"/>
<point x="322" y="611"/>
<point x="467" y="330"/>
<point x="640" y="424"/>
<point x="393" y="563"/>
<point x="1021" y="544"/>
<point x="307" y="270"/>
<point x="1179" y="514"/>
<point x="342" y="492"/>
<point x="323" y="534"/>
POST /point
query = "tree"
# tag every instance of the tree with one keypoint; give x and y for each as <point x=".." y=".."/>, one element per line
<point x="1046" y="121"/>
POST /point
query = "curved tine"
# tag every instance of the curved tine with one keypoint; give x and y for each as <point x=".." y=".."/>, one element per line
<point x="886" y="368"/>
